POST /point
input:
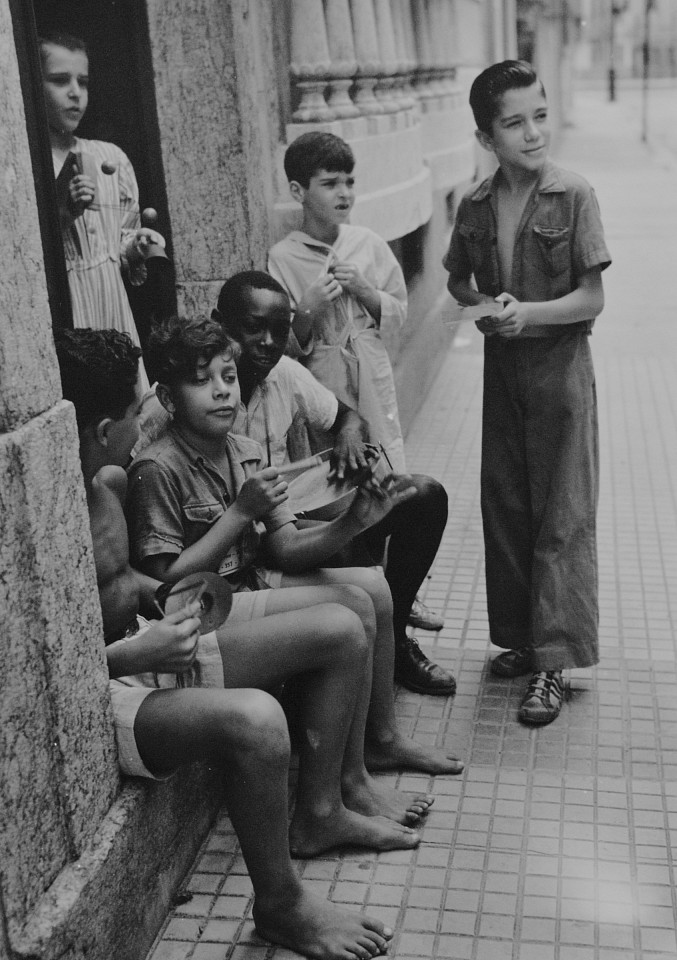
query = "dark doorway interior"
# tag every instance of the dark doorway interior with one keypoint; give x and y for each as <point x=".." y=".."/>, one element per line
<point x="122" y="109"/>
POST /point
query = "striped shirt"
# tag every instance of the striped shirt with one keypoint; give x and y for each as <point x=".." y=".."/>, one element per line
<point x="96" y="241"/>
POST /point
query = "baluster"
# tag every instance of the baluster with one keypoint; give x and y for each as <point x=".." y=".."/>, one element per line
<point x="386" y="41"/>
<point x="368" y="57"/>
<point x="310" y="60"/>
<point x="343" y="60"/>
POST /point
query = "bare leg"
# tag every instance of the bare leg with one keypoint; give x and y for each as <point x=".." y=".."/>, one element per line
<point x="386" y="748"/>
<point x="360" y="791"/>
<point x="326" y="642"/>
<point x="245" y="731"/>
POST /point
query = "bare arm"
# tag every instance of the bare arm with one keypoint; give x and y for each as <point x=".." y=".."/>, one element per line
<point x="259" y="494"/>
<point x="351" y="453"/>
<point x="463" y="291"/>
<point x="294" y="550"/>
<point x="583" y="303"/>
<point x="169" y="645"/>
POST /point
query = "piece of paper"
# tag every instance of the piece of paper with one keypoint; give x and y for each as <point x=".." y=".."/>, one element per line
<point x="480" y="310"/>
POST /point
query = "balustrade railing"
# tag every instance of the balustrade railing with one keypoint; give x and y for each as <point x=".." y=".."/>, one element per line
<point x="352" y="58"/>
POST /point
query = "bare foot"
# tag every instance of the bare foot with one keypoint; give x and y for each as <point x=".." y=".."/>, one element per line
<point x="316" y="928"/>
<point x="402" y="753"/>
<point x="310" y="834"/>
<point x="372" y="798"/>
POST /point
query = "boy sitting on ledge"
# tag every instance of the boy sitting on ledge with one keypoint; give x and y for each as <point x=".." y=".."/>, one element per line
<point x="200" y="500"/>
<point x="161" y="724"/>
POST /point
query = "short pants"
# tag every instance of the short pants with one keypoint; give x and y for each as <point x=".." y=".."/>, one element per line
<point x="128" y="693"/>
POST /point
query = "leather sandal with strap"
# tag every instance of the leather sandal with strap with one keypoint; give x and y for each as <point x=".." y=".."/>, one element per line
<point x="542" y="702"/>
<point x="513" y="663"/>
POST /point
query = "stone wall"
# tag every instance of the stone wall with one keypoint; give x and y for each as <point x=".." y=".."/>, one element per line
<point x="58" y="773"/>
<point x="86" y="868"/>
<point x="215" y="90"/>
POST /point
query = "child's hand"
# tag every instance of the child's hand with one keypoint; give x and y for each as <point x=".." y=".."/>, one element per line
<point x="351" y="455"/>
<point x="82" y="190"/>
<point x="511" y="321"/>
<point x="374" y="501"/>
<point x="172" y="642"/>
<point x="261" y="493"/>
<point x="321" y="292"/>
<point x="139" y="248"/>
<point x="350" y="278"/>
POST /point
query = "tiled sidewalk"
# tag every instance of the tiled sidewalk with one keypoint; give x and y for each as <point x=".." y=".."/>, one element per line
<point x="555" y="844"/>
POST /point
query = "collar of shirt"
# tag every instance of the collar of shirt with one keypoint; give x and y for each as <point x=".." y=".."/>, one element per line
<point x="549" y="181"/>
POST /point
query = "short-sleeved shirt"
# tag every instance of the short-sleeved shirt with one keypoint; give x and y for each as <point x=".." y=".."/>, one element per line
<point x="176" y="495"/>
<point x="560" y="237"/>
<point x="289" y="396"/>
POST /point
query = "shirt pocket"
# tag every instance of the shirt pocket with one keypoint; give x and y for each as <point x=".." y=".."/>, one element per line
<point x="198" y="517"/>
<point x="553" y="244"/>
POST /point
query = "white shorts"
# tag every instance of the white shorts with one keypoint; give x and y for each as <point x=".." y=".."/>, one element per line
<point x="128" y="693"/>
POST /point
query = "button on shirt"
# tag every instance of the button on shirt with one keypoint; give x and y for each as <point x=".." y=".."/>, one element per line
<point x="176" y="495"/>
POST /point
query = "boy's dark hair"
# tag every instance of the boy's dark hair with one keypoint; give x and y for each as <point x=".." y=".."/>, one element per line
<point x="231" y="303"/>
<point x="315" y="151"/>
<point x="59" y="38"/>
<point x="99" y="371"/>
<point x="178" y="344"/>
<point x="488" y="88"/>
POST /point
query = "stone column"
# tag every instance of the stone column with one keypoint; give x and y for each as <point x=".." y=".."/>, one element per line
<point x="385" y="90"/>
<point x="343" y="62"/>
<point x="310" y="60"/>
<point x="424" y="48"/>
<point x="442" y="44"/>
<point x="406" y="61"/>
<point x="368" y="56"/>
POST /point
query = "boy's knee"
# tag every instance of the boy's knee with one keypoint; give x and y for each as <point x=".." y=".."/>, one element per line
<point x="346" y="623"/>
<point x="263" y="725"/>
<point x="430" y="492"/>
<point x="357" y="597"/>
<point x="373" y="581"/>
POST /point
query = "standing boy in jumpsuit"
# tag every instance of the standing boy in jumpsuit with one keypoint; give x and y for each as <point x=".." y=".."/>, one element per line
<point x="532" y="239"/>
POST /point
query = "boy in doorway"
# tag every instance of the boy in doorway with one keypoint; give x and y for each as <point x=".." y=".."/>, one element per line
<point x="531" y="239"/>
<point x="98" y="198"/>
<point x="162" y="723"/>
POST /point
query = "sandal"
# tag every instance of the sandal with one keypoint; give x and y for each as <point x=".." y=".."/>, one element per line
<point x="542" y="702"/>
<point x="512" y="663"/>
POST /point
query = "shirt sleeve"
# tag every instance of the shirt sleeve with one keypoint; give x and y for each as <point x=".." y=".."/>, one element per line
<point x="154" y="517"/>
<point x="318" y="405"/>
<point x="391" y="287"/>
<point x="279" y="259"/>
<point x="456" y="259"/>
<point x="130" y="218"/>
<point x="589" y="248"/>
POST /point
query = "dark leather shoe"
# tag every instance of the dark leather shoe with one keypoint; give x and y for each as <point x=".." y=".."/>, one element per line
<point x="513" y="663"/>
<point x="416" y="672"/>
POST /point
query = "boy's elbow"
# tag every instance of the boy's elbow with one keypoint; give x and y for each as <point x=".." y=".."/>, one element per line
<point x="457" y="288"/>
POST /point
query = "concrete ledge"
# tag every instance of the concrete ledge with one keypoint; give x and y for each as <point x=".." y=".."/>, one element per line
<point x="110" y="903"/>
